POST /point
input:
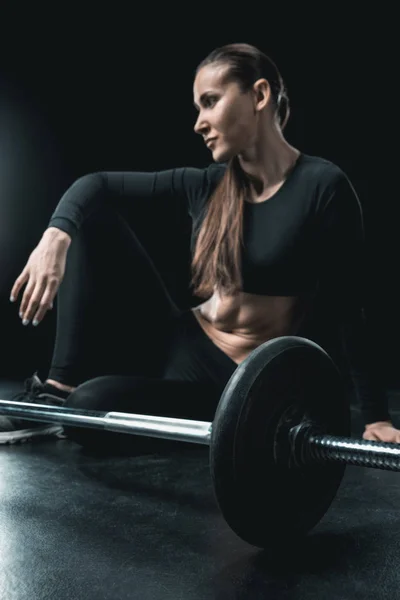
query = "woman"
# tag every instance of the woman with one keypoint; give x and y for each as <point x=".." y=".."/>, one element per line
<point x="277" y="249"/>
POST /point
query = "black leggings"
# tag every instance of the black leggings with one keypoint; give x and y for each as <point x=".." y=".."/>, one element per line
<point x="121" y="338"/>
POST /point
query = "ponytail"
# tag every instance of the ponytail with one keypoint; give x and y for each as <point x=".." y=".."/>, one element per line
<point x="216" y="262"/>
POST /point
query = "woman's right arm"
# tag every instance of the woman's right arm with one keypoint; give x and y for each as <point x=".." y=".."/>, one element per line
<point x="44" y="271"/>
<point x="89" y="192"/>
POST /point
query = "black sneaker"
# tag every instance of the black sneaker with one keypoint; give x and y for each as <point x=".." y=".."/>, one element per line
<point x="16" y="429"/>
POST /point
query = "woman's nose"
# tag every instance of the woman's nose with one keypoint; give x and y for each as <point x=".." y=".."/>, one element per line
<point x="200" y="126"/>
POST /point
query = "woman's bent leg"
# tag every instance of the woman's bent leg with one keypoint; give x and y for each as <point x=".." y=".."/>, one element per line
<point x="114" y="312"/>
<point x="194" y="377"/>
<point x="114" y="316"/>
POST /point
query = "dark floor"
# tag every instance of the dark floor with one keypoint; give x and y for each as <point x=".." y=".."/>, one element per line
<point x="81" y="527"/>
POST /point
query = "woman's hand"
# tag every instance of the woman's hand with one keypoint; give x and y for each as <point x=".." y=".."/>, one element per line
<point x="42" y="274"/>
<point x="382" y="431"/>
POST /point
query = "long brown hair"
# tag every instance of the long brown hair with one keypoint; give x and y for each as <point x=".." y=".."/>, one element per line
<point x="216" y="262"/>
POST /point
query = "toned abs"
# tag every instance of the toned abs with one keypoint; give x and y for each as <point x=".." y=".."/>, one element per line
<point x="239" y="324"/>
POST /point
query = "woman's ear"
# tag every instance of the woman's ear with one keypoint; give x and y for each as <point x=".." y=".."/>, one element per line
<point x="262" y="93"/>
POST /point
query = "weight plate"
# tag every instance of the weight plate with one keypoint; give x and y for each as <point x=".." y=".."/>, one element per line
<point x="265" y="499"/>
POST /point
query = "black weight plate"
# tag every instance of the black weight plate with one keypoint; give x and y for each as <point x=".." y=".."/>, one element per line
<point x="264" y="500"/>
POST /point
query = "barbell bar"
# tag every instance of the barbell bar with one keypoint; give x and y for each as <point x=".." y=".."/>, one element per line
<point x="159" y="427"/>
<point x="279" y="442"/>
<point x="319" y="448"/>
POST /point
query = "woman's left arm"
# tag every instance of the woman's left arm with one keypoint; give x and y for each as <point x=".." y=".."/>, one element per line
<point x="344" y="271"/>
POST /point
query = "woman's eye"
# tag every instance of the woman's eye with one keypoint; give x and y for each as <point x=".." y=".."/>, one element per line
<point x="211" y="100"/>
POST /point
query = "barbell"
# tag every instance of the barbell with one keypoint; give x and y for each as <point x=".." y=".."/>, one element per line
<point x="279" y="442"/>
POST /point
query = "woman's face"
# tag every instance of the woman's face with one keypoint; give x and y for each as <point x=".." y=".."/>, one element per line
<point x="228" y="117"/>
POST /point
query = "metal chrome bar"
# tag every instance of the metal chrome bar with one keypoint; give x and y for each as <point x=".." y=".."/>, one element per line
<point x="361" y="453"/>
<point x="197" y="432"/>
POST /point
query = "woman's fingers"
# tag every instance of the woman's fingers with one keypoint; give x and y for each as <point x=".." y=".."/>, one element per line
<point x="31" y="300"/>
<point x="386" y="433"/>
<point x="19" y="282"/>
<point x="368" y="435"/>
<point x="46" y="302"/>
<point x="26" y="297"/>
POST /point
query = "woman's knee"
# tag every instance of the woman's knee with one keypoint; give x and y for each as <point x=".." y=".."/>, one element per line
<point x="104" y="393"/>
<point x="146" y="395"/>
<point x="101" y="395"/>
<point x="140" y="395"/>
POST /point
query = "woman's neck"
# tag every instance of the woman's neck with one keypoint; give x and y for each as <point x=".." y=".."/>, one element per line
<point x="268" y="162"/>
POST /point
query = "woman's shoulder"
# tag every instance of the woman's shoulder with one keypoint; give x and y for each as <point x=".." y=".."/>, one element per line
<point x="322" y="169"/>
<point x="327" y="179"/>
<point x="203" y="176"/>
<point x="199" y="183"/>
<point x="333" y="191"/>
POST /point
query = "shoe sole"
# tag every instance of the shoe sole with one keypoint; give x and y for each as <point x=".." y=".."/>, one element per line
<point x="24" y="435"/>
